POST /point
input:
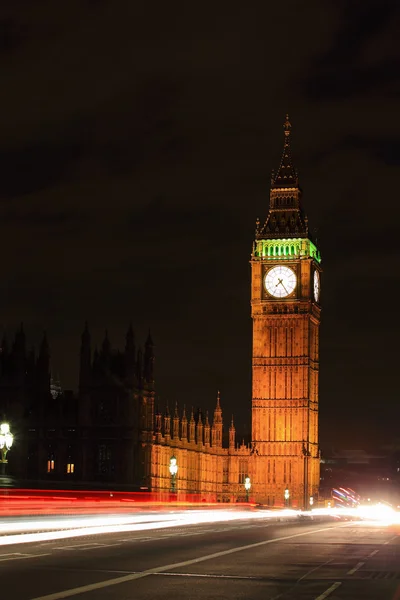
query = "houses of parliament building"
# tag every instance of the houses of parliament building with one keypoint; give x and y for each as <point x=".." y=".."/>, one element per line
<point x="111" y="432"/>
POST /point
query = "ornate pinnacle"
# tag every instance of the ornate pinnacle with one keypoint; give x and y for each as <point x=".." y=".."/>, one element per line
<point x="287" y="126"/>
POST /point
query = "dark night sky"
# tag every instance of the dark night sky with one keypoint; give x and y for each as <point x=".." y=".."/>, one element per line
<point x="137" y="141"/>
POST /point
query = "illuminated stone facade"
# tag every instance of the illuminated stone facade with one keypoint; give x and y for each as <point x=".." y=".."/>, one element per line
<point x="112" y="432"/>
<point x="285" y="296"/>
<point x="285" y="308"/>
<point x="205" y="467"/>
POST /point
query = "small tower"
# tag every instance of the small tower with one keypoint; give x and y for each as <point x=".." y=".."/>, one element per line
<point x="167" y="424"/>
<point x="192" y="428"/>
<point x="216" y="430"/>
<point x="184" y="425"/>
<point x="232" y="435"/>
<point x="207" y="432"/>
<point x="175" y="425"/>
<point x="158" y="418"/>
<point x="199" y="429"/>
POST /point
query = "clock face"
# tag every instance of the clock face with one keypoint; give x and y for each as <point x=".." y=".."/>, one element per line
<point x="316" y="286"/>
<point x="280" y="281"/>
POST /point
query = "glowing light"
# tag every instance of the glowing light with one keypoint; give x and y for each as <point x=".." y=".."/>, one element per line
<point x="286" y="248"/>
<point x="6" y="438"/>
<point x="173" y="466"/>
<point x="280" y="281"/>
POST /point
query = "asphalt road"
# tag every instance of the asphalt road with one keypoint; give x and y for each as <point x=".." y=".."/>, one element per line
<point x="243" y="559"/>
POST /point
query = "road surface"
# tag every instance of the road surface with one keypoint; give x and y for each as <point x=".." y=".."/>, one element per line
<point x="248" y="559"/>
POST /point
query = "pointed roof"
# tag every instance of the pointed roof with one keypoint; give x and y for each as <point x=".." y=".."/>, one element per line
<point x="286" y="174"/>
<point x="286" y="218"/>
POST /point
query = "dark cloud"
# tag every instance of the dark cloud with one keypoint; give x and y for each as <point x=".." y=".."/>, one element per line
<point x="51" y="222"/>
<point x="343" y="71"/>
<point x="10" y="35"/>
<point x="35" y="168"/>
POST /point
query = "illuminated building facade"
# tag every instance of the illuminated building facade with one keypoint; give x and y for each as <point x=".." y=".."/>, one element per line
<point x="112" y="432"/>
<point x="285" y="308"/>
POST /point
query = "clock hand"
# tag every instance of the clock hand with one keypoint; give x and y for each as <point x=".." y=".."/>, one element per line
<point x="281" y="283"/>
<point x="285" y="289"/>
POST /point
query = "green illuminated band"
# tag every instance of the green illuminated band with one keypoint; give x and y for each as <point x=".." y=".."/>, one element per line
<point x="286" y="249"/>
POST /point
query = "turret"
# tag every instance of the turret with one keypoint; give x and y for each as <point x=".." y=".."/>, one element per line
<point x="158" y="418"/>
<point x="216" y="430"/>
<point x="167" y="423"/>
<point x="184" y="425"/>
<point x="175" y="425"/>
<point x="85" y="359"/>
<point x="192" y="428"/>
<point x="207" y="430"/>
<point x="232" y="434"/>
<point x="199" y="429"/>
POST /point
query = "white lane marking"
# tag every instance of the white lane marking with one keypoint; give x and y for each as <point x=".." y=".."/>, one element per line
<point x="354" y="569"/>
<point x="207" y="576"/>
<point x="391" y="540"/>
<point x="329" y="591"/>
<point x="22" y="556"/>
<point x="118" y="580"/>
<point x="314" y="569"/>
<point x="373" y="553"/>
<point x="71" y="546"/>
<point x="85" y="547"/>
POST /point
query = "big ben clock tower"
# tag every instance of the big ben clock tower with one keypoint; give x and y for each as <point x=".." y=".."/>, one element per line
<point x="285" y="308"/>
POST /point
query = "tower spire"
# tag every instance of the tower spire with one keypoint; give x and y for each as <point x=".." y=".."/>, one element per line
<point x="286" y="174"/>
<point x="286" y="218"/>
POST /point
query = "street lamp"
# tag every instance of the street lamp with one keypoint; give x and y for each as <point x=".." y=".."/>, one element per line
<point x="287" y="496"/>
<point x="247" y="486"/>
<point x="6" y="441"/>
<point x="173" y="469"/>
